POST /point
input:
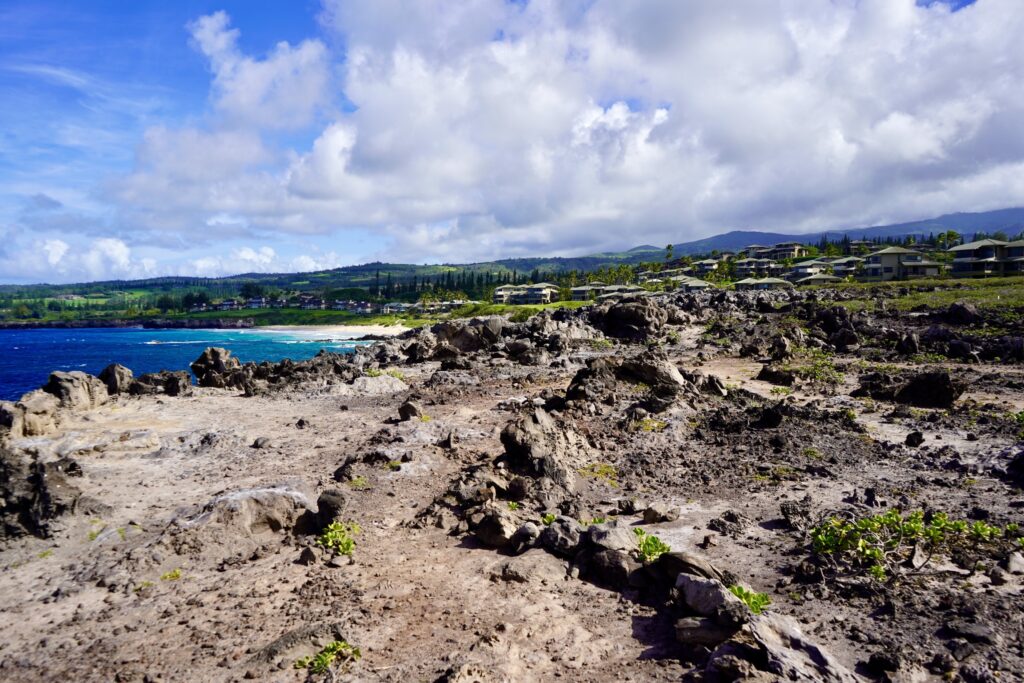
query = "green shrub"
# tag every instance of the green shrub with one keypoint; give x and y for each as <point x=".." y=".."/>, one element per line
<point x="881" y="544"/>
<point x="649" y="546"/>
<point x="513" y="506"/>
<point x="172" y="575"/>
<point x="339" y="537"/>
<point x="373" y="372"/>
<point x="755" y="601"/>
<point x="397" y="374"/>
<point x="547" y="518"/>
<point x="337" y="652"/>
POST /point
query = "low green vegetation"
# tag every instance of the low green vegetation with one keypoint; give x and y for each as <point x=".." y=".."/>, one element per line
<point x="601" y="471"/>
<point x="756" y="602"/>
<point x="172" y="575"/>
<point x="882" y="546"/>
<point x="337" y="653"/>
<point x="649" y="424"/>
<point x="649" y="546"/>
<point x="394" y="465"/>
<point x="547" y="518"/>
<point x="513" y="506"/>
<point x="358" y="483"/>
<point x="339" y="537"/>
<point x="814" y="365"/>
<point x="781" y="391"/>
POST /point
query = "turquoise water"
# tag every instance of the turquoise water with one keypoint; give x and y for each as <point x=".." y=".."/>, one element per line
<point x="28" y="356"/>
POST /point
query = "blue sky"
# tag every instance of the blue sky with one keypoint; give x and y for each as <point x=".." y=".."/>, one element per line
<point x="206" y="138"/>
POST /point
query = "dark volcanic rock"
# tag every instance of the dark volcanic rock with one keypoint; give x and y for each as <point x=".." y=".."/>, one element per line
<point x="177" y="383"/>
<point x="637" y="318"/>
<point x="934" y="389"/>
<point x="214" y="367"/>
<point x="35" y="493"/>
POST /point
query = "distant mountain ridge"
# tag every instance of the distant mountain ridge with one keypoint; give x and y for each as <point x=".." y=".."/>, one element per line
<point x="370" y="275"/>
<point x="1008" y="220"/>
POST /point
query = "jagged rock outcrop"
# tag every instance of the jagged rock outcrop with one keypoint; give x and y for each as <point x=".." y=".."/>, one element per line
<point x="117" y="377"/>
<point x="537" y="446"/>
<point x="216" y="367"/>
<point x="35" y="493"/>
<point x="240" y="521"/>
<point x="165" y="382"/>
<point x="77" y="390"/>
<point x="34" y="414"/>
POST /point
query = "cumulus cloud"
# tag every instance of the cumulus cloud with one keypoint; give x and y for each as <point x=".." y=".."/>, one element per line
<point x="284" y="90"/>
<point x="489" y="128"/>
<point x="261" y="260"/>
<point x="53" y="260"/>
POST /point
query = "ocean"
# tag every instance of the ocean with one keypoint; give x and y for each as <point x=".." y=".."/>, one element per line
<point x="27" y="357"/>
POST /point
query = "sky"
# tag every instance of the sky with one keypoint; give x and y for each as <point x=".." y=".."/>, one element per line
<point x="204" y="138"/>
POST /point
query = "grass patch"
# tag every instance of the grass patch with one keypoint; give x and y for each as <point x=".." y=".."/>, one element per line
<point x="601" y="471"/>
<point x="513" y="506"/>
<point x="173" y="575"/>
<point x="358" y="483"/>
<point x="547" y="518"/>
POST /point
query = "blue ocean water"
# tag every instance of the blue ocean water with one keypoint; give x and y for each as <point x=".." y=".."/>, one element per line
<point x="27" y="357"/>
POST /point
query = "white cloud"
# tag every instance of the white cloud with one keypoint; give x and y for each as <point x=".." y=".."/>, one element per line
<point x="285" y="90"/>
<point x="489" y="128"/>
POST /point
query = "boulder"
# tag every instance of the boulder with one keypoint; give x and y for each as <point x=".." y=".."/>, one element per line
<point x="525" y="537"/>
<point x="35" y="414"/>
<point x="562" y="536"/>
<point x="914" y="439"/>
<point x="636" y="318"/>
<point x="960" y="313"/>
<point x="77" y="390"/>
<point x="537" y="446"/>
<point x="660" y="512"/>
<point x="789" y="654"/>
<point x="164" y="382"/>
<point x="909" y="344"/>
<point x="496" y="529"/>
<point x="773" y="374"/>
<point x="117" y="377"/>
<point x="935" y="389"/>
<point x="710" y="598"/>
<point x="34" y="493"/>
<point x="214" y="367"/>
<point x="702" y="632"/>
<point x="410" y="410"/>
<point x="329" y="506"/>
<point x="239" y="522"/>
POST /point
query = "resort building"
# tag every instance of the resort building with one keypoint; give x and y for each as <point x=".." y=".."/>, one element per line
<point x="899" y="263"/>
<point x="988" y="257"/>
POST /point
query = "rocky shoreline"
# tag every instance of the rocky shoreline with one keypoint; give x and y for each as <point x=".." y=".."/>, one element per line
<point x="711" y="487"/>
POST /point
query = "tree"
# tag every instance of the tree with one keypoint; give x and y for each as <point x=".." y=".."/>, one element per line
<point x="166" y="303"/>
<point x="668" y="252"/>
<point x="251" y="290"/>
